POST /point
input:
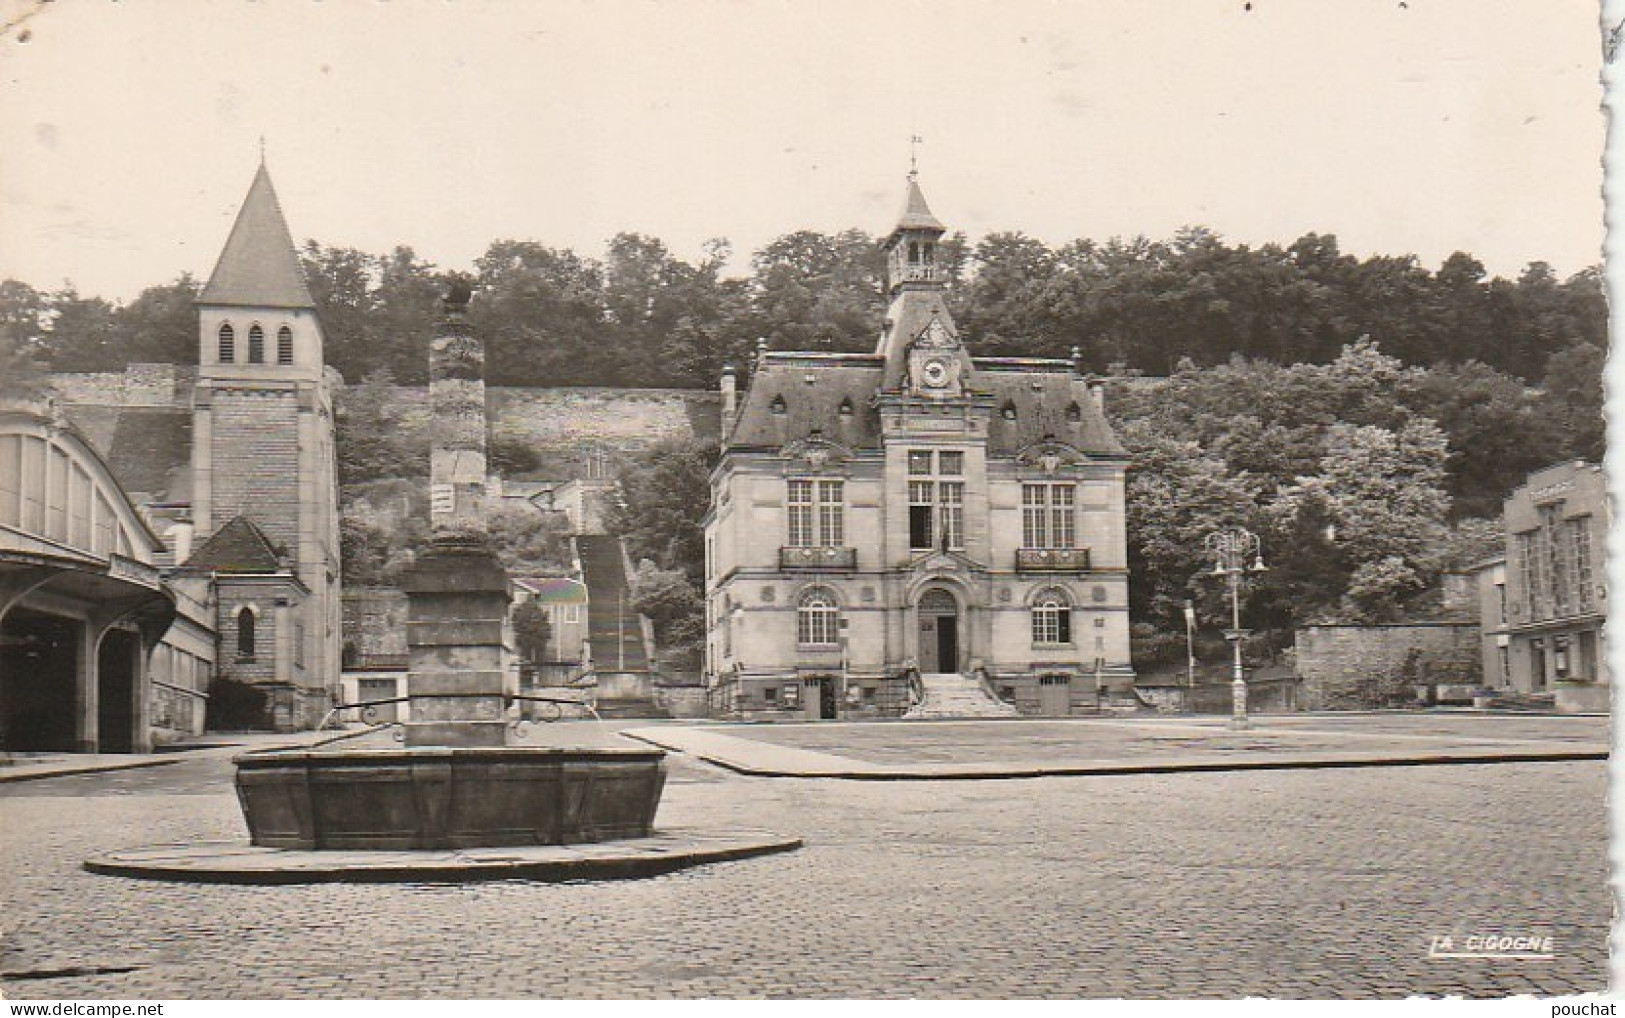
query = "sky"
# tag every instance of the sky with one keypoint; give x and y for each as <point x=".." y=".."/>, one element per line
<point x="131" y="130"/>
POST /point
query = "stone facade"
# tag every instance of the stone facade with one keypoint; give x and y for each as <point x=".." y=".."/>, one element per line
<point x="1358" y="666"/>
<point x="917" y="510"/>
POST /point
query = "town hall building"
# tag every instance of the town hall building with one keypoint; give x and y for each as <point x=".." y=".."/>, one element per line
<point x="915" y="527"/>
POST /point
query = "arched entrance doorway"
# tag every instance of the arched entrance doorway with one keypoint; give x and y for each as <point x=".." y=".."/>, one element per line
<point x="939" y="631"/>
<point x="117" y="665"/>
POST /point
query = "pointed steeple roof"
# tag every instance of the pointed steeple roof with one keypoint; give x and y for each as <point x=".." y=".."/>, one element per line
<point x="259" y="266"/>
<point x="916" y="213"/>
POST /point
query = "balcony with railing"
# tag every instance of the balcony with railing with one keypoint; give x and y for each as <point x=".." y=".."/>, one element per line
<point x="920" y="274"/>
<point x="1052" y="560"/>
<point x="818" y="558"/>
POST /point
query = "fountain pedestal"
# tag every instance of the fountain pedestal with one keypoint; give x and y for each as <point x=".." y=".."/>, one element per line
<point x="456" y="783"/>
<point x="457" y="609"/>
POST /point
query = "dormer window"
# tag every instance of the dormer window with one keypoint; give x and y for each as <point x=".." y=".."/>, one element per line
<point x="256" y="345"/>
<point x="845" y="409"/>
<point x="1008" y="411"/>
<point x="1074" y="414"/>
<point x="777" y="406"/>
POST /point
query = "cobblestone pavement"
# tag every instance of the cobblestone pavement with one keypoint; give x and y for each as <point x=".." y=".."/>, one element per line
<point x="1131" y="738"/>
<point x="1289" y="883"/>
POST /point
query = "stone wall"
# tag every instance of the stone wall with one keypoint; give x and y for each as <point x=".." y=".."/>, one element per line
<point x="1348" y="666"/>
<point x="558" y="423"/>
<point x="374" y="627"/>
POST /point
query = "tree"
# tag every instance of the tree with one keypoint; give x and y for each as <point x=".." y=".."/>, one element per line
<point x="1571" y="402"/>
<point x="672" y="604"/>
<point x="160" y="325"/>
<point x="1177" y="495"/>
<point x="1383" y="494"/>
<point x="528" y="541"/>
<point x="661" y="497"/>
<point x="373" y="440"/>
<point x="532" y="629"/>
<point x="81" y="333"/>
<point x="22" y="371"/>
<point x="540" y="312"/>
<point x="815" y="291"/>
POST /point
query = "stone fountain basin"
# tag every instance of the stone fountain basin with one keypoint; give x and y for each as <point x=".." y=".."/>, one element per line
<point x="457" y="797"/>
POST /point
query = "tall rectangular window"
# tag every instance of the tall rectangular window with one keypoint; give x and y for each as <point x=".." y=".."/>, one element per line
<point x="1063" y="518"/>
<point x="951" y="464"/>
<point x="1524" y="548"/>
<point x="1556" y="551"/>
<point x="1048" y="516"/>
<point x="831" y="514"/>
<point x="921" y="503"/>
<point x="800" y="505"/>
<point x="951" y="500"/>
<point x="1584" y="580"/>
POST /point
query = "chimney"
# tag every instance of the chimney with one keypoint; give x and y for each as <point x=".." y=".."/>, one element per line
<point x="730" y="398"/>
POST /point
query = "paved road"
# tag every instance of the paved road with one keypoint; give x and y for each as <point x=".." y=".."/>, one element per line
<point x="1292" y="883"/>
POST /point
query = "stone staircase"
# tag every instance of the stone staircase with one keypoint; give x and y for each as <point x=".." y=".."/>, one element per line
<point x="948" y="695"/>
<point x="625" y="683"/>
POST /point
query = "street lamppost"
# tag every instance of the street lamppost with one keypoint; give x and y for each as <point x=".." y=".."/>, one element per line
<point x="1230" y="550"/>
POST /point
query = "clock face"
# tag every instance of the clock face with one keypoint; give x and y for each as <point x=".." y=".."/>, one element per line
<point x="935" y="373"/>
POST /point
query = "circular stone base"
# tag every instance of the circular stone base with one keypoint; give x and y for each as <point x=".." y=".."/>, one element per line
<point x="237" y="862"/>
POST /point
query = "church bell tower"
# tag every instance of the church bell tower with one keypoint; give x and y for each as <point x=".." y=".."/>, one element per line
<point x="262" y="436"/>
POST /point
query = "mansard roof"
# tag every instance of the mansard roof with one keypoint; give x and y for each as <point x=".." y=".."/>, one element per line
<point x="782" y="406"/>
<point x="259" y="266"/>
<point x="804" y="408"/>
<point x="238" y="547"/>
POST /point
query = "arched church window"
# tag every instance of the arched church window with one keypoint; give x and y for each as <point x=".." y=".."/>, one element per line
<point x="818" y="618"/>
<point x="245" y="634"/>
<point x="1052" y="617"/>
<point x="256" y="345"/>
<point x="284" y="345"/>
<point x="228" y="344"/>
